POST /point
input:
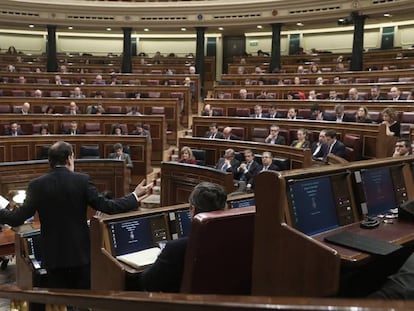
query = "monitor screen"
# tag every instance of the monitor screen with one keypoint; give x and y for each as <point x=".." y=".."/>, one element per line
<point x="378" y="190"/>
<point x="242" y="203"/>
<point x="132" y="235"/>
<point x="180" y="223"/>
<point x="312" y="205"/>
<point x="34" y="246"/>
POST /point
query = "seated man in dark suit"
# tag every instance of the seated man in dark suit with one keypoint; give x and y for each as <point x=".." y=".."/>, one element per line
<point x="267" y="163"/>
<point x="228" y="163"/>
<point x="14" y="129"/>
<point x="213" y="133"/>
<point x="73" y="130"/>
<point x="274" y="137"/>
<point x="120" y="155"/>
<point x="140" y="131"/>
<point x="166" y="273"/>
<point x="336" y="147"/>
<point x="247" y="171"/>
<point x="320" y="148"/>
<point x="227" y="134"/>
<point x="258" y="113"/>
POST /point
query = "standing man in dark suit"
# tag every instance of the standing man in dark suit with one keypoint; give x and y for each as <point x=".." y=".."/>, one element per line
<point x="336" y="147"/>
<point x="213" y="133"/>
<point x="274" y="137"/>
<point x="61" y="198"/>
<point x="166" y="273"/>
<point x="119" y="154"/>
<point x="228" y="163"/>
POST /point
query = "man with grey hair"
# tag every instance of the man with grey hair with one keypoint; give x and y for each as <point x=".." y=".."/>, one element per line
<point x="228" y="163"/>
<point x="166" y="273"/>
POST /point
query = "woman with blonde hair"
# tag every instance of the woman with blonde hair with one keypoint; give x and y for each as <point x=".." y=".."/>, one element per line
<point x="390" y="120"/>
<point x="186" y="156"/>
<point x="362" y="115"/>
<point x="302" y="141"/>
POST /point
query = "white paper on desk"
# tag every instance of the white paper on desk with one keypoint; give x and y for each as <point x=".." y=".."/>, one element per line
<point x="3" y="202"/>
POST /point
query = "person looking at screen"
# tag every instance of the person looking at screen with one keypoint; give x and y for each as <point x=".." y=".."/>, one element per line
<point x="61" y="198"/>
<point x="166" y="273"/>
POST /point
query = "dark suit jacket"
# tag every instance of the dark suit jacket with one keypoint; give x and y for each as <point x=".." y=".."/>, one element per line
<point x="232" y="137"/>
<point x="272" y="167"/>
<point x="321" y="153"/>
<point x="278" y="115"/>
<point x="250" y="174"/>
<point x="264" y="115"/>
<point x="338" y="149"/>
<point x="219" y="135"/>
<point x="125" y="157"/>
<point x="280" y="140"/>
<point x="234" y="166"/>
<point x="69" y="131"/>
<point x="143" y="133"/>
<point x="61" y="198"/>
<point x="166" y="273"/>
<point x="9" y="133"/>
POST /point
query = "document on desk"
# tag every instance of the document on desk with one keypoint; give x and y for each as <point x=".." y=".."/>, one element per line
<point x="3" y="202"/>
<point x="142" y="258"/>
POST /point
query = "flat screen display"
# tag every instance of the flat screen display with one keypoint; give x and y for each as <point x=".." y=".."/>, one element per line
<point x="378" y="189"/>
<point x="242" y="203"/>
<point x="133" y="235"/>
<point x="180" y="223"/>
<point x="312" y="204"/>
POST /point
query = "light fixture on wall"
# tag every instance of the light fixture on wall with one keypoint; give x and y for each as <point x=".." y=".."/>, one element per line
<point x="387" y="15"/>
<point x="300" y="24"/>
<point x="259" y="27"/>
<point x="220" y="28"/>
<point x="109" y="29"/>
<point x="146" y="29"/>
<point x="70" y="27"/>
<point x="31" y="26"/>
<point x="183" y="29"/>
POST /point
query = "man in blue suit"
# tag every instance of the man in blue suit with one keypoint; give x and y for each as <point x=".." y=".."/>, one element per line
<point x="335" y="146"/>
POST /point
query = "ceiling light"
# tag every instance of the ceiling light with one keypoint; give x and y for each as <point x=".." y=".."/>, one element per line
<point x="31" y="26"/>
<point x="146" y="29"/>
<point x="387" y="15"/>
<point x="299" y="24"/>
<point x="220" y="28"/>
<point x="259" y="26"/>
<point x="108" y="29"/>
<point x="70" y="27"/>
<point x="183" y="29"/>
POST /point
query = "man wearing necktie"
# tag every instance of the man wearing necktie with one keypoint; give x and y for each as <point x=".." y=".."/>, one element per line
<point x="213" y="133"/>
<point x="228" y="163"/>
<point x="14" y="129"/>
<point x="248" y="169"/>
<point x="73" y="130"/>
<point x="119" y="154"/>
<point x="267" y="163"/>
<point x="336" y="147"/>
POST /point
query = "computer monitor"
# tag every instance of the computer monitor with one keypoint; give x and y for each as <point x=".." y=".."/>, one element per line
<point x="247" y="202"/>
<point x="180" y="223"/>
<point x="135" y="234"/>
<point x="33" y="247"/>
<point x="312" y="205"/>
<point x="378" y="190"/>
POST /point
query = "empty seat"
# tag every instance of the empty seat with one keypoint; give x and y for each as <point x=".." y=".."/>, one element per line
<point x="407" y="121"/>
<point x="89" y="152"/>
<point x="158" y="110"/>
<point x="362" y="80"/>
<point x="243" y="112"/>
<point x="55" y="93"/>
<point x="218" y="111"/>
<point x="154" y="94"/>
<point x="353" y="147"/>
<point x="92" y="128"/>
<point x="259" y="134"/>
<point x="42" y="80"/>
<point x="200" y="156"/>
<point x="304" y="113"/>
<point x="406" y="79"/>
<point x="214" y="236"/>
<point x="114" y="109"/>
<point x="227" y="96"/>
<point x="117" y="94"/>
<point x="153" y="82"/>
<point x="386" y="79"/>
<point x="375" y="116"/>
<point x="18" y="93"/>
<point x="239" y="132"/>
<point x="5" y="108"/>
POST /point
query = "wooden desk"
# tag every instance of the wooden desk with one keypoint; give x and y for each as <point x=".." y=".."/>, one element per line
<point x="6" y="242"/>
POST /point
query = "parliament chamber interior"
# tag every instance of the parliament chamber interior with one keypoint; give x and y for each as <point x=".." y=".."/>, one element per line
<point x="156" y="77"/>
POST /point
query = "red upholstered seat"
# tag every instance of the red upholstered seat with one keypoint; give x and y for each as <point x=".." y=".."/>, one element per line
<point x="259" y="134"/>
<point x="219" y="253"/>
<point x="353" y="147"/>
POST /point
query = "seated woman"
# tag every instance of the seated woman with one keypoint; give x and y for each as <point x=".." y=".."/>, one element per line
<point x="302" y="141"/>
<point x="117" y="130"/>
<point x="362" y="115"/>
<point x="390" y="120"/>
<point x="186" y="156"/>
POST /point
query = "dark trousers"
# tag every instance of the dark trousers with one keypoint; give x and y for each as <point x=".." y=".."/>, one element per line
<point x="73" y="277"/>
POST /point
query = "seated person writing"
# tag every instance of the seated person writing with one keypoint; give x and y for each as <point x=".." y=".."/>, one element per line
<point x="166" y="273"/>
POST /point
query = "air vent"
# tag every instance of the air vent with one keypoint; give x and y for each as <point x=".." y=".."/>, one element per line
<point x="315" y="10"/>
<point x="14" y="13"/>
<point x="238" y="16"/>
<point x="85" y="17"/>
<point x="158" y="18"/>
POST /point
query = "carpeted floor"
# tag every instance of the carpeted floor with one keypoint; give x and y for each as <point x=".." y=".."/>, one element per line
<point x="7" y="276"/>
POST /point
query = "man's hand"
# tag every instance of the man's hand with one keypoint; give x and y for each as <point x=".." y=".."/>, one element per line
<point x="140" y="189"/>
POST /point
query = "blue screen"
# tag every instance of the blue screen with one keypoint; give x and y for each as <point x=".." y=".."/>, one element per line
<point x="242" y="203"/>
<point x="313" y="205"/>
<point x="183" y="223"/>
<point x="131" y="235"/>
<point x="378" y="190"/>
